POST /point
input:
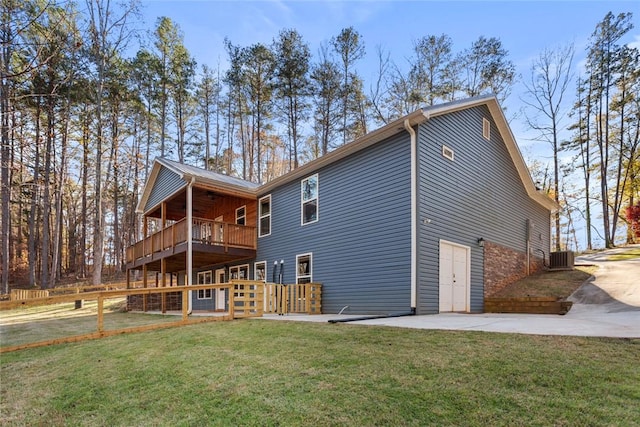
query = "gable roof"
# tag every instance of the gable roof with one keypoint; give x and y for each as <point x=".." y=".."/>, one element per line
<point x="242" y="187"/>
<point x="204" y="178"/>
<point x="507" y="136"/>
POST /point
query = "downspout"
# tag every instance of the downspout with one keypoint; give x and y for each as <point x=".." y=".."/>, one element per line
<point x="190" y="240"/>
<point x="414" y="215"/>
<point x="528" y="236"/>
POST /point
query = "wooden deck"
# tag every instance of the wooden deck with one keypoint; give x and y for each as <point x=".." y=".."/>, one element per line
<point x="212" y="241"/>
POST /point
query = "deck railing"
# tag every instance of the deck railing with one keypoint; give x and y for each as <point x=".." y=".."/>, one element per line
<point x="204" y="231"/>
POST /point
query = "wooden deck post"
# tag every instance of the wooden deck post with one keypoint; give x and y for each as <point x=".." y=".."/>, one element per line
<point x="189" y="239"/>
<point x="144" y="285"/>
<point x="163" y="275"/>
<point x="163" y="215"/>
<point x="185" y="305"/>
<point x="100" y="313"/>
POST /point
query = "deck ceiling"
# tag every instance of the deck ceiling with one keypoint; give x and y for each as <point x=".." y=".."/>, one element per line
<point x="176" y="207"/>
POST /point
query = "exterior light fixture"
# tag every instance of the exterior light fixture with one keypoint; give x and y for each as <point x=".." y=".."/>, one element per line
<point x="481" y="242"/>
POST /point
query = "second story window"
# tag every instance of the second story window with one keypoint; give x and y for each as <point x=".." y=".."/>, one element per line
<point x="241" y="215"/>
<point x="309" y="187"/>
<point x="264" y="216"/>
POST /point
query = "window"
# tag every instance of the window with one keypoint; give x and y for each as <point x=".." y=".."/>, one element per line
<point x="239" y="272"/>
<point x="264" y="223"/>
<point x="204" y="278"/>
<point x="486" y="128"/>
<point x="447" y="152"/>
<point x="241" y="215"/>
<point x="260" y="271"/>
<point x="304" y="268"/>
<point x="309" y="189"/>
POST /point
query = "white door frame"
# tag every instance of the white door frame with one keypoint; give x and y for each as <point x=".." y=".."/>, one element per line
<point x="468" y="272"/>
<point x="218" y="230"/>
<point x="220" y="293"/>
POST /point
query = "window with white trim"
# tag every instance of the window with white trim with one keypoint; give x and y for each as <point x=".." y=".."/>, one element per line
<point x="241" y="215"/>
<point x="309" y="199"/>
<point x="486" y="128"/>
<point x="204" y="278"/>
<point x="260" y="271"/>
<point x="240" y="272"/>
<point x="304" y="268"/>
<point x="264" y="216"/>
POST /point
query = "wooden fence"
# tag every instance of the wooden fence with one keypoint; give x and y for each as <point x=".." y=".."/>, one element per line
<point x="246" y="298"/>
<point x="300" y="298"/>
<point x="28" y="294"/>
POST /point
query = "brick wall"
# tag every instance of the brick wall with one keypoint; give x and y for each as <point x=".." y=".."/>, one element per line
<point x="503" y="266"/>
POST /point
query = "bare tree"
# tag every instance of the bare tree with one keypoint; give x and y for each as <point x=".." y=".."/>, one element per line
<point x="109" y="33"/>
<point x="545" y="95"/>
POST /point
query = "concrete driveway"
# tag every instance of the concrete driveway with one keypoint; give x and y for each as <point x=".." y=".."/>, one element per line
<point x="616" y="286"/>
<point x="606" y="306"/>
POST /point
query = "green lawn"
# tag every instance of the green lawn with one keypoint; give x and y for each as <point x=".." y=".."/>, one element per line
<point x="628" y="254"/>
<point x="267" y="373"/>
<point x="46" y="322"/>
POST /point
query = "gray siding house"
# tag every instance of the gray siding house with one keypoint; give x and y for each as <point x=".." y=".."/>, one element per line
<point x="427" y="214"/>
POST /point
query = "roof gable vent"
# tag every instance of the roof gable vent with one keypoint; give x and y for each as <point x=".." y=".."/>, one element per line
<point x="447" y="152"/>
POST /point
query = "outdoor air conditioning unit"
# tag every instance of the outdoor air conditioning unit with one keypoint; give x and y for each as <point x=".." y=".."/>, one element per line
<point x="561" y="260"/>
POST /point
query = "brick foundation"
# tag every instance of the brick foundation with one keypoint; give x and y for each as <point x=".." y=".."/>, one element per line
<point x="503" y="266"/>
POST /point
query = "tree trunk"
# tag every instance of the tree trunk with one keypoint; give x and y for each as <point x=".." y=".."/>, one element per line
<point x="46" y="197"/>
<point x="34" y="199"/>
<point x="5" y="150"/>
<point x="85" y="188"/>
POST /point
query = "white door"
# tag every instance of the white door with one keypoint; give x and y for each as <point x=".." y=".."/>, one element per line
<point x="454" y="277"/>
<point x="218" y="236"/>
<point x="220" y="293"/>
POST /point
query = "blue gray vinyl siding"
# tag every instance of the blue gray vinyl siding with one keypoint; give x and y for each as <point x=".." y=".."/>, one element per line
<point x="167" y="183"/>
<point x="479" y="194"/>
<point x="361" y="243"/>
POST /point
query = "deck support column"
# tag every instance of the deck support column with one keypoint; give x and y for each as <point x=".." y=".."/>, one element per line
<point x="163" y="275"/>
<point x="144" y="285"/>
<point x="163" y="214"/>
<point x="145" y="229"/>
<point x="190" y="239"/>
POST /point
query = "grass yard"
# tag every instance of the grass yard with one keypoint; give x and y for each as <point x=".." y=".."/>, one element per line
<point x="41" y="323"/>
<point x="558" y="284"/>
<point x="628" y="254"/>
<point x="267" y="373"/>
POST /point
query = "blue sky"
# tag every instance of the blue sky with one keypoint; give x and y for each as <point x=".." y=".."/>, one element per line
<point x="525" y="28"/>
